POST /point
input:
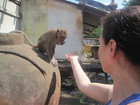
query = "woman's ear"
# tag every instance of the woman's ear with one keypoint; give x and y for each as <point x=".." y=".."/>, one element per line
<point x="112" y="47"/>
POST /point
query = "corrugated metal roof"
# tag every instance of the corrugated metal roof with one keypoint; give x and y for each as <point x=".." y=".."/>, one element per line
<point x="92" y="12"/>
<point x="90" y="3"/>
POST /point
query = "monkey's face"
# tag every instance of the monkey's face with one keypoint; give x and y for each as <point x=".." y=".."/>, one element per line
<point x="62" y="35"/>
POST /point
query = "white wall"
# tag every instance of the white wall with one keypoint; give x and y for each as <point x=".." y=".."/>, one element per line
<point x="65" y="16"/>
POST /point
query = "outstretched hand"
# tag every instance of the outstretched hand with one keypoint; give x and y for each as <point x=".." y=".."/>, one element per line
<point x="71" y="57"/>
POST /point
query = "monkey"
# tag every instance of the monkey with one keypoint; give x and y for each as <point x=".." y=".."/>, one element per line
<point x="48" y="41"/>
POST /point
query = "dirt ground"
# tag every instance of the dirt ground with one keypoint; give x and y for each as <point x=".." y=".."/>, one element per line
<point x="70" y="95"/>
<point x="68" y="99"/>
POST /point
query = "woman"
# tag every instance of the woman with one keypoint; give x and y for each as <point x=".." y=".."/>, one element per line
<point x="119" y="53"/>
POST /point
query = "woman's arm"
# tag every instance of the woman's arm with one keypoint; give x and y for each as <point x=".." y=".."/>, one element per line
<point x="96" y="91"/>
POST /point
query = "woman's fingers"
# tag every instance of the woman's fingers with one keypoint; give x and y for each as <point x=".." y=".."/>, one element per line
<point x="68" y="55"/>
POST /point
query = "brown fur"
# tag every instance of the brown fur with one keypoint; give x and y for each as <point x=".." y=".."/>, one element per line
<point x="48" y="41"/>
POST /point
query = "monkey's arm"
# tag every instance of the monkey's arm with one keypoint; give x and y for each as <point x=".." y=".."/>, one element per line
<point x="51" y="51"/>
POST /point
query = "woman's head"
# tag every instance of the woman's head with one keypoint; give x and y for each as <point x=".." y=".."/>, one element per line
<point x="124" y="27"/>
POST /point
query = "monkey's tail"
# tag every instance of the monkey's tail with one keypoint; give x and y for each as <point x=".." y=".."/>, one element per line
<point x="34" y="46"/>
<point x="25" y="36"/>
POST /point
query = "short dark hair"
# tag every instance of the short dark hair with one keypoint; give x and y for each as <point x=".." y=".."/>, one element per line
<point x="124" y="27"/>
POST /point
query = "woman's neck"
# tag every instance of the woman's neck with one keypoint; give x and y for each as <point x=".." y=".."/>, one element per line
<point x="125" y="84"/>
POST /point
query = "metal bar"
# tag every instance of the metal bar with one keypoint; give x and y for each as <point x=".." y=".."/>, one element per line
<point x="16" y="2"/>
<point x="5" y="11"/>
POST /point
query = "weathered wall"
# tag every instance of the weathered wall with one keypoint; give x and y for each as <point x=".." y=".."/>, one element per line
<point x="34" y="20"/>
<point x="40" y="15"/>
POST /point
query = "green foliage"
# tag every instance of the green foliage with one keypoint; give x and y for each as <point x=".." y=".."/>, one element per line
<point x="95" y="34"/>
<point x="87" y="54"/>
<point x="131" y="2"/>
<point x="85" y="100"/>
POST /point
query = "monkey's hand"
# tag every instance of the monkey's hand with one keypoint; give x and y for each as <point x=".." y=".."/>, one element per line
<point x="63" y="43"/>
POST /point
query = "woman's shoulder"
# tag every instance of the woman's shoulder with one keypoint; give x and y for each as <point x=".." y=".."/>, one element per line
<point x="134" y="99"/>
<point x="135" y="103"/>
